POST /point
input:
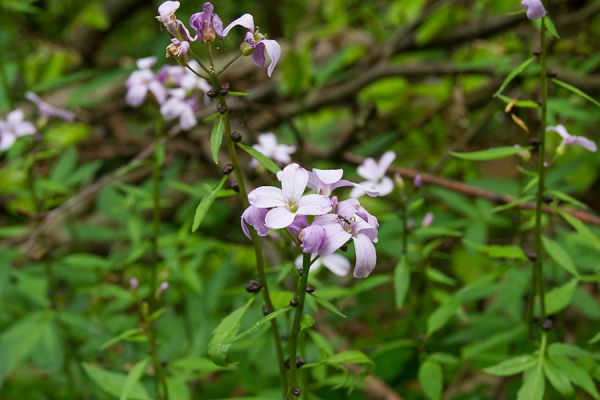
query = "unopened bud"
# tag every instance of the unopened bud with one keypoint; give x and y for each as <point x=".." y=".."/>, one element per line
<point x="234" y="186"/>
<point x="548" y="198"/>
<point x="227" y="169"/>
<point x="310" y="289"/>
<point x="398" y="181"/>
<point x="211" y="93"/>
<point x="221" y="108"/>
<point x="548" y="324"/>
<point x="236" y="137"/>
<point x="300" y="362"/>
<point x="531" y="255"/>
<point x="294" y="302"/>
<point x="296" y="391"/>
<point x="224" y="89"/>
<point x="253" y="286"/>
<point x="418" y="181"/>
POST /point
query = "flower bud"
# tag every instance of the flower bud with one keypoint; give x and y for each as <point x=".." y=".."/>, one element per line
<point x="253" y="286"/>
<point x="236" y="137"/>
<point x="399" y="182"/>
<point x="227" y="169"/>
<point x="134" y="283"/>
<point x="418" y="181"/>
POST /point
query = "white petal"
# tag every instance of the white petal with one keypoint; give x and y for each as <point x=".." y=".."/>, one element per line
<point x="293" y="181"/>
<point x="385" y="187"/>
<point x="246" y="20"/>
<point x="314" y="204"/>
<point x="366" y="256"/>
<point x="369" y="170"/>
<point x="329" y="176"/>
<point x="15" y="117"/>
<point x="560" y="129"/>
<point x="187" y="118"/>
<point x="386" y="160"/>
<point x="135" y="95"/>
<point x="279" y="217"/>
<point x="266" y="197"/>
<point x="273" y="50"/>
<point x="336" y="263"/>
<point x="148" y="62"/>
<point x="335" y="237"/>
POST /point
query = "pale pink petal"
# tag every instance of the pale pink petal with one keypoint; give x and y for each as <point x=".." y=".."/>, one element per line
<point x="135" y="95"/>
<point x="148" y="62"/>
<point x="246" y="20"/>
<point x="6" y="141"/>
<point x="311" y="238"/>
<point x="266" y="197"/>
<point x="560" y="129"/>
<point x="366" y="256"/>
<point x="293" y="181"/>
<point x="158" y="90"/>
<point x="386" y="160"/>
<point x="369" y="170"/>
<point x="273" y="50"/>
<point x="336" y="263"/>
<point x="329" y="176"/>
<point x="15" y="117"/>
<point x="385" y="187"/>
<point x="279" y="217"/>
<point x="585" y="143"/>
<point x="335" y="237"/>
<point x="314" y="204"/>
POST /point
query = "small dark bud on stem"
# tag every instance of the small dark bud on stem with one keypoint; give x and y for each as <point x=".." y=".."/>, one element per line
<point x="310" y="289"/>
<point x="221" y="108"/>
<point x="535" y="143"/>
<point x="224" y="91"/>
<point x="296" y="391"/>
<point x="537" y="53"/>
<point x="236" y="137"/>
<point x="300" y="362"/>
<point x="548" y="324"/>
<point x="548" y="198"/>
<point x="294" y="302"/>
<point x="227" y="169"/>
<point x="163" y="363"/>
<point x="211" y="93"/>
<point x="266" y="310"/>
<point x="253" y="286"/>
<point x="531" y="255"/>
<point x="234" y="186"/>
<point x="551" y="74"/>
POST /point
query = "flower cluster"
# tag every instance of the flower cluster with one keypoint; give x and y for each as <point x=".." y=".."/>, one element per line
<point x="270" y="147"/>
<point x="209" y="27"/>
<point x="319" y="221"/>
<point x="177" y="90"/>
<point x="374" y="174"/>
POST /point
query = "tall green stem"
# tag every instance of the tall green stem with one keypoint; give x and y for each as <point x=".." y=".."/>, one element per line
<point x="300" y="296"/>
<point x="160" y="380"/>
<point x="538" y="270"/>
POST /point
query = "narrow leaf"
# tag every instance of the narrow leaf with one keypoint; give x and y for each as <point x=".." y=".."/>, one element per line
<point x="260" y="323"/>
<point x="489" y="154"/>
<point x="326" y="304"/>
<point x="497" y="251"/>
<point x="576" y="91"/>
<point x="559" y="255"/>
<point x="512" y="366"/>
<point x="133" y="378"/>
<point x="401" y="282"/>
<point x="205" y="204"/>
<point x="582" y="229"/>
<point x="216" y="138"/>
<point x="558" y="378"/>
<point x="514" y="73"/>
<point x="112" y="382"/>
<point x="226" y="330"/>
<point x="560" y="297"/>
<point x="260" y="157"/>
<point x="533" y="384"/>
<point x="431" y="379"/>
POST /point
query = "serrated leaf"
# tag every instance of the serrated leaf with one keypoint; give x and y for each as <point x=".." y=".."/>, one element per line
<point x="561" y="257"/>
<point x="401" y="282"/>
<point x="431" y="379"/>
<point x="260" y="157"/>
<point x="489" y="154"/>
<point x="576" y="91"/>
<point x="513" y="74"/>
<point x="226" y="330"/>
<point x="533" y="384"/>
<point x="112" y="382"/>
<point x="560" y="297"/>
<point x="328" y="305"/>
<point x="205" y="204"/>
<point x="512" y="366"/>
<point x="216" y="138"/>
<point x="259" y="324"/>
<point x="133" y="378"/>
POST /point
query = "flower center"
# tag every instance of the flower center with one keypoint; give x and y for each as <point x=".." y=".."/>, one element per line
<point x="293" y="206"/>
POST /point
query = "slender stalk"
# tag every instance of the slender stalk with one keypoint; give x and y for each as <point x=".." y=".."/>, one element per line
<point x="538" y="268"/>
<point x="156" y="171"/>
<point x="300" y="296"/>
<point x="159" y="373"/>
<point x="404" y="218"/>
<point x="243" y="195"/>
<point x="234" y="59"/>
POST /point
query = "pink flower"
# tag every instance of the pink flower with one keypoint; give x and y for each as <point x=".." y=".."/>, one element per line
<point x="374" y="173"/>
<point x="268" y="145"/>
<point x="207" y="24"/>
<point x="142" y="81"/>
<point x="289" y="201"/>
<point x="568" y="139"/>
<point x="336" y="263"/>
<point x="47" y="110"/>
<point x="178" y="107"/>
<point x="13" y="128"/>
<point x="535" y="8"/>
<point x="256" y="44"/>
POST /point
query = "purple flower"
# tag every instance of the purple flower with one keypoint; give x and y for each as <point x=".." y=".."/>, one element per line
<point x="568" y="139"/>
<point x="47" y="110"/>
<point x="300" y="222"/>
<point x="192" y="82"/>
<point x="166" y="15"/>
<point x="178" y="49"/>
<point x="255" y="43"/>
<point x="163" y="287"/>
<point x="340" y="230"/>
<point x="268" y="145"/>
<point x="427" y="220"/>
<point x="289" y="201"/>
<point x="311" y="238"/>
<point x="418" y="181"/>
<point x="178" y="107"/>
<point x="208" y="25"/>
<point x="142" y="81"/>
<point x="13" y="128"/>
<point x="535" y="8"/>
<point x="256" y="217"/>
<point x="336" y="263"/>
<point x="134" y="283"/>
<point x="374" y="173"/>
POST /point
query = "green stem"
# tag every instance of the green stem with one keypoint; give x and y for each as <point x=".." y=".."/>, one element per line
<point x="160" y="380"/>
<point x="404" y="217"/>
<point x="300" y="296"/>
<point x="538" y="270"/>
<point x="156" y="170"/>
<point x="260" y="261"/>
<point x="234" y="59"/>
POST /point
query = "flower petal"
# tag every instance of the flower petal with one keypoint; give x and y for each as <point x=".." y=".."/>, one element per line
<point x="560" y="129"/>
<point x="266" y="197"/>
<point x="386" y="160"/>
<point x="585" y="143"/>
<point x="369" y="170"/>
<point x="273" y="50"/>
<point x="148" y="62"/>
<point x="312" y="238"/>
<point x="293" y="181"/>
<point x="279" y="217"/>
<point x="335" y="237"/>
<point x="385" y="187"/>
<point x="336" y="263"/>
<point x="535" y="8"/>
<point x="246" y="20"/>
<point x="329" y="176"/>
<point x="135" y="95"/>
<point x="366" y="256"/>
<point x="314" y="204"/>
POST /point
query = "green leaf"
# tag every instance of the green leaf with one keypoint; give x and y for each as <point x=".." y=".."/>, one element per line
<point x="226" y="330"/>
<point x="216" y="138"/>
<point x="595" y="339"/>
<point x="260" y="157"/>
<point x="431" y="379"/>
<point x="512" y="366"/>
<point x="550" y="27"/>
<point x="18" y="342"/>
<point x="492" y="341"/>
<point x="326" y="304"/>
<point x="438" y="276"/>
<point x="558" y="378"/>
<point x="307" y="322"/>
<point x="576" y="374"/>
<point x="576" y="91"/>
<point x="518" y="103"/>
<point x="200" y="365"/>
<point x="560" y="297"/>
<point x="65" y="166"/>
<point x="497" y="251"/>
<point x="557" y="253"/>
<point x="489" y="154"/>
<point x="259" y="324"/>
<point x="133" y="378"/>
<point x="582" y="229"/>
<point x="514" y="73"/>
<point x="205" y="204"/>
<point x="127" y="334"/>
<point x="113" y="382"/>
<point x="533" y="384"/>
<point x="401" y="282"/>
<point x="442" y="315"/>
<point x="345" y="357"/>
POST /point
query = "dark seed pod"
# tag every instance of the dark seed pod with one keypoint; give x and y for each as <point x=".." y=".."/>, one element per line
<point x="253" y="286"/>
<point x="294" y="302"/>
<point x="211" y="93"/>
<point x="535" y="143"/>
<point x="537" y="53"/>
<point x="265" y="310"/>
<point x="236" y="137"/>
<point x="227" y="169"/>
<point x="310" y="289"/>
<point x="296" y="391"/>
<point x="224" y="91"/>
<point x="551" y="74"/>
